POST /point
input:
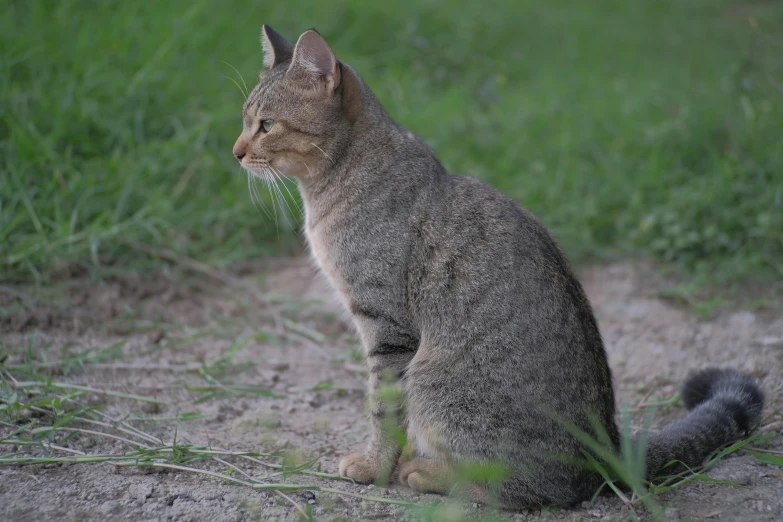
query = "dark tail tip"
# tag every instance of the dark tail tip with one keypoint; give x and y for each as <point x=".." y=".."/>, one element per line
<point x="739" y="393"/>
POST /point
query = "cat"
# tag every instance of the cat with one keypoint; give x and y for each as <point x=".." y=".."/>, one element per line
<point x="460" y="296"/>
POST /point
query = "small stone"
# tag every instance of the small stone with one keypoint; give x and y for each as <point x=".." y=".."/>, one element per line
<point x="155" y="336"/>
<point x="307" y="495"/>
<point x="744" y="479"/>
<point x="109" y="507"/>
<point x="150" y="408"/>
<point x="315" y="401"/>
<point x="140" y="492"/>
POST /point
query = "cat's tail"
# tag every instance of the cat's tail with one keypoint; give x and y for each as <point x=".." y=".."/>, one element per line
<point x="725" y="405"/>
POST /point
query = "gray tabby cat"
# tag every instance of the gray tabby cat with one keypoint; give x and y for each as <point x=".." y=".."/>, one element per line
<point x="458" y="294"/>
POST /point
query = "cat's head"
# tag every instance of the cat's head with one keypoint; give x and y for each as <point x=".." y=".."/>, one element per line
<point x="294" y="117"/>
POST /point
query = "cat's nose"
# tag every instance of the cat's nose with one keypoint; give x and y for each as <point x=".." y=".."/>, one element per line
<point x="240" y="148"/>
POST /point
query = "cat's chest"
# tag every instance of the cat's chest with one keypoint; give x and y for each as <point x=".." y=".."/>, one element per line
<point x="325" y="254"/>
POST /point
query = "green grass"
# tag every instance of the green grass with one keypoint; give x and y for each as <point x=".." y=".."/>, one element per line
<point x="630" y="128"/>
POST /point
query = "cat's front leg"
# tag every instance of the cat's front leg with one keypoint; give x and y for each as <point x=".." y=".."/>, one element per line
<point x="377" y="462"/>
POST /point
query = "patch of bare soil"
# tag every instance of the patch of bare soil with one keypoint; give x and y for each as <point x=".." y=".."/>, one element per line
<point x="167" y="340"/>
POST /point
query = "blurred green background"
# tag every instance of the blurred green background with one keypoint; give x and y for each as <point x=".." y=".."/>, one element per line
<point x="631" y="128"/>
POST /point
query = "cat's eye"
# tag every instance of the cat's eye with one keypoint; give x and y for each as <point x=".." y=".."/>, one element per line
<point x="266" y="126"/>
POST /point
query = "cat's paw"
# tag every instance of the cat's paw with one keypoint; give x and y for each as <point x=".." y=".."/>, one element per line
<point x="359" y="468"/>
<point x="424" y="475"/>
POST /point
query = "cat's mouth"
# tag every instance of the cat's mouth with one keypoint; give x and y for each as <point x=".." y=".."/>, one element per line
<point x="275" y="184"/>
<point x="263" y="172"/>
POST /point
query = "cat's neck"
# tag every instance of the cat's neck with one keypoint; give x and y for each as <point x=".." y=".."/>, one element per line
<point x="370" y="157"/>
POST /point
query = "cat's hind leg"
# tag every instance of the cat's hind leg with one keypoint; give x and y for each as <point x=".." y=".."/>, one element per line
<point x="425" y="475"/>
<point x="430" y="476"/>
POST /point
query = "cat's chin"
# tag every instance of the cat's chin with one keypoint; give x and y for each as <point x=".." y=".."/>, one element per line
<point x="262" y="173"/>
<point x="255" y="173"/>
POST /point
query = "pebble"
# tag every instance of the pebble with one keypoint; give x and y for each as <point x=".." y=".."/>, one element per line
<point x="744" y="479"/>
<point x="150" y="408"/>
<point x="109" y="507"/>
<point x="140" y="492"/>
<point x="155" y="336"/>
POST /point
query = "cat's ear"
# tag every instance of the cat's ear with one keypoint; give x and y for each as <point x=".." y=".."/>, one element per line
<point x="276" y="48"/>
<point x="314" y="64"/>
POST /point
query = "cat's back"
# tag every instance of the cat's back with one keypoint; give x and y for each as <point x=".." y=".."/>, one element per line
<point x="488" y="232"/>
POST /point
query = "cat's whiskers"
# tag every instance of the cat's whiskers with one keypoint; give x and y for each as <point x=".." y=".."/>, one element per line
<point x="254" y="196"/>
<point x="268" y="181"/>
<point x="274" y="179"/>
<point x="238" y="87"/>
<point x="244" y="92"/>
<point x="324" y="153"/>
<point x="281" y="178"/>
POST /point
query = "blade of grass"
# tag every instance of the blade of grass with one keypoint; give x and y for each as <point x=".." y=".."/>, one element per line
<point x="67" y="386"/>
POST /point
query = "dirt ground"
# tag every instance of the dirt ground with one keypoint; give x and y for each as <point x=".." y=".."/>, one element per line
<point x="298" y="346"/>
